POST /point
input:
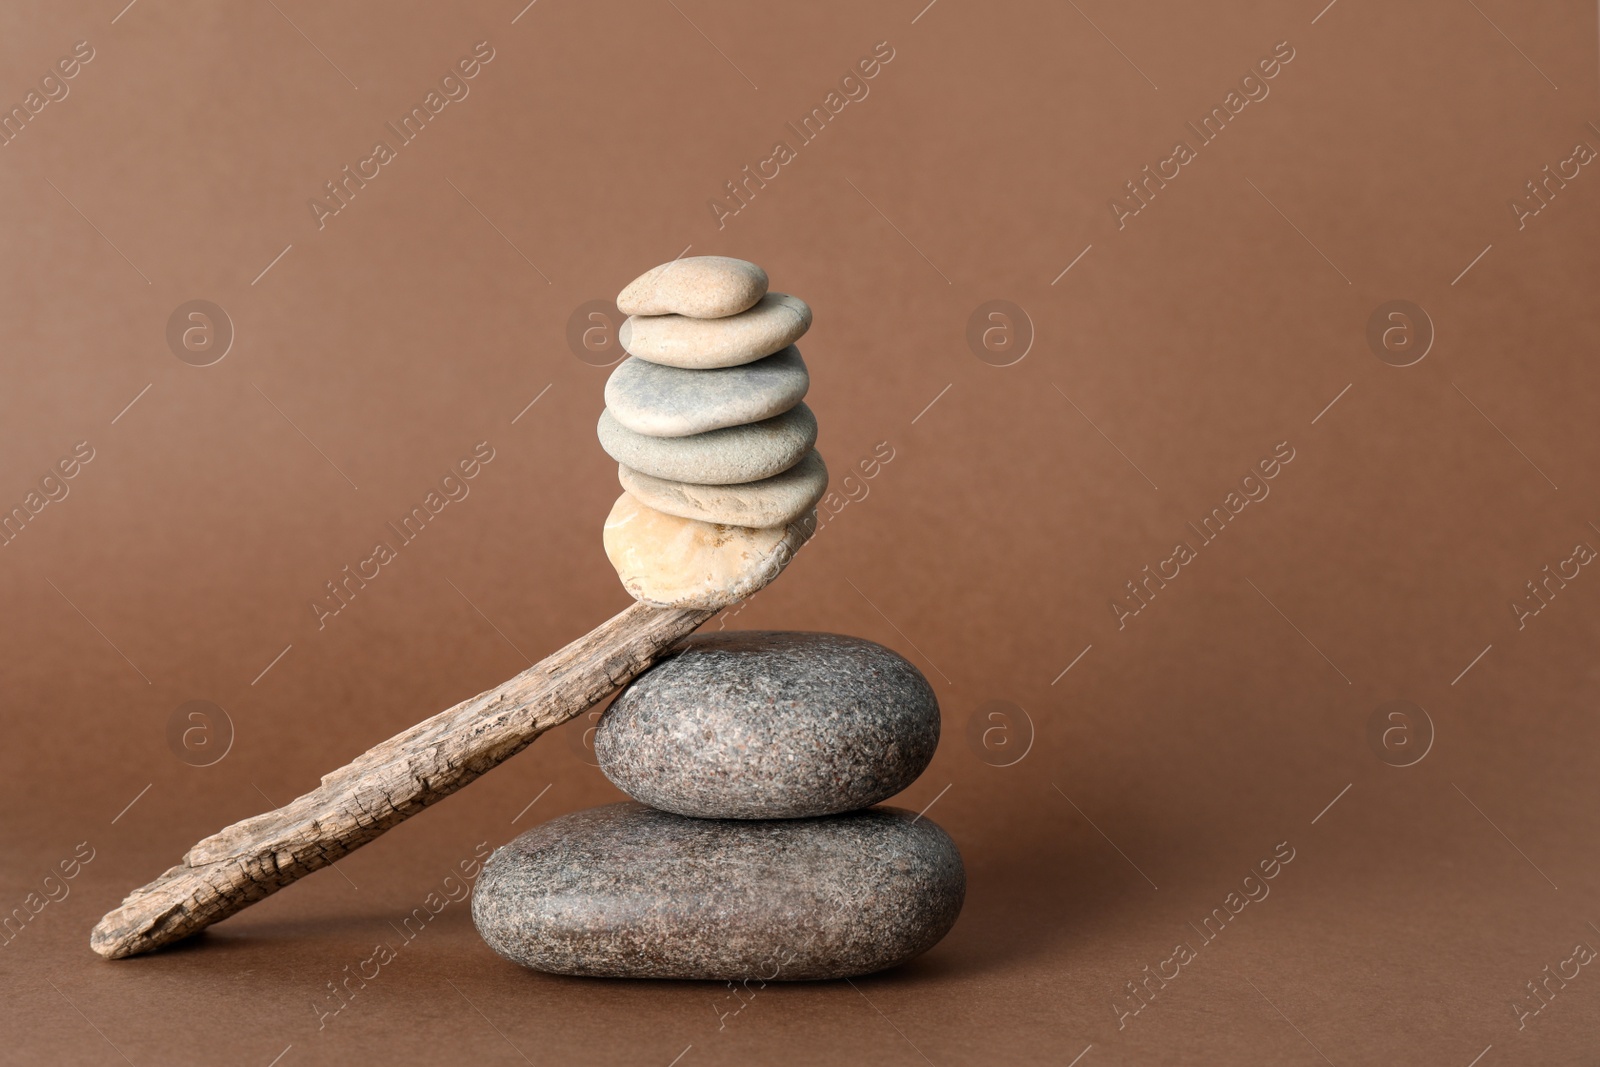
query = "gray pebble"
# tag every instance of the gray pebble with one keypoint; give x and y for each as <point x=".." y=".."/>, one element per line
<point x="662" y="401"/>
<point x="727" y="456"/>
<point x="775" y="501"/>
<point x="770" y="725"/>
<point x="627" y="892"/>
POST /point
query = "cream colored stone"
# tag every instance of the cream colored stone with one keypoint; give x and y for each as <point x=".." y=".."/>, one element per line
<point x="773" y="501"/>
<point x="701" y="287"/>
<point x="777" y="321"/>
<point x="672" y="562"/>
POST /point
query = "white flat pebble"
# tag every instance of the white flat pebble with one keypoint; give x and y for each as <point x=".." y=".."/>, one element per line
<point x="777" y="321"/>
<point x="662" y="401"/>
<point x="701" y="287"/>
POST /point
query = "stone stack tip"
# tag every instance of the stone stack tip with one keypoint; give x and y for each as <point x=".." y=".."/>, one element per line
<point x="699" y="287"/>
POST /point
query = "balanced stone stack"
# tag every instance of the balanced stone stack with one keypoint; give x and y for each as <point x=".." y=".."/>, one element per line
<point x="712" y="439"/>
<point x="753" y="851"/>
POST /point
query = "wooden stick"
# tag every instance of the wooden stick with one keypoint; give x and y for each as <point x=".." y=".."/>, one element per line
<point x="237" y="866"/>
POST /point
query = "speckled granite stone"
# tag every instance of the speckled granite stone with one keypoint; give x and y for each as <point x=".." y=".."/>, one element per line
<point x="770" y="725"/>
<point x="727" y="456"/>
<point x="662" y="401"/>
<point x="624" y="891"/>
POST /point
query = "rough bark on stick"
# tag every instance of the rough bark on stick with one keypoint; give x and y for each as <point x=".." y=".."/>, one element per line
<point x="237" y="866"/>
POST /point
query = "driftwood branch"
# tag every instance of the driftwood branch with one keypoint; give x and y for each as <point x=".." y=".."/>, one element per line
<point x="237" y="866"/>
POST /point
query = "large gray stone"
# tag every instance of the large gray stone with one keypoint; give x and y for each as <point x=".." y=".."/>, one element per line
<point x="777" y="321"/>
<point x="770" y="725"/>
<point x="702" y="287"/>
<point x="727" y="456"/>
<point x="624" y="891"/>
<point x="662" y="401"/>
<point x="775" y="501"/>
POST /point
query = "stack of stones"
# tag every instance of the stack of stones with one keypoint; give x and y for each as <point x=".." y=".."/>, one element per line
<point x="712" y="440"/>
<point x="753" y="851"/>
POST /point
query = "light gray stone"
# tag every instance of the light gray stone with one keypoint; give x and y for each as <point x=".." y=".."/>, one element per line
<point x="727" y="456"/>
<point x="770" y="725"/>
<point x="777" y="321"/>
<point x="701" y="287"/>
<point x="774" y="501"/>
<point x="662" y="401"/>
<point x="627" y="892"/>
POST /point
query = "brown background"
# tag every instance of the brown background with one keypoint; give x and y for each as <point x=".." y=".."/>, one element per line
<point x="1221" y="321"/>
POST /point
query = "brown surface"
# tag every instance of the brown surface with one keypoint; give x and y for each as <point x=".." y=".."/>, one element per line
<point x="1197" y="338"/>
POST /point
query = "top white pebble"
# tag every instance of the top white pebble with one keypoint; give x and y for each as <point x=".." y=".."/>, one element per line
<point x="701" y="287"/>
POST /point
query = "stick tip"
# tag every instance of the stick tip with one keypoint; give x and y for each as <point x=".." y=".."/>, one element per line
<point x="107" y="943"/>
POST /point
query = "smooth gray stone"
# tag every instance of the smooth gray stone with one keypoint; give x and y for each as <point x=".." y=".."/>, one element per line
<point x="775" y="501"/>
<point x="624" y="891"/>
<point x="727" y="456"/>
<point x="759" y="724"/>
<point x="662" y="401"/>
